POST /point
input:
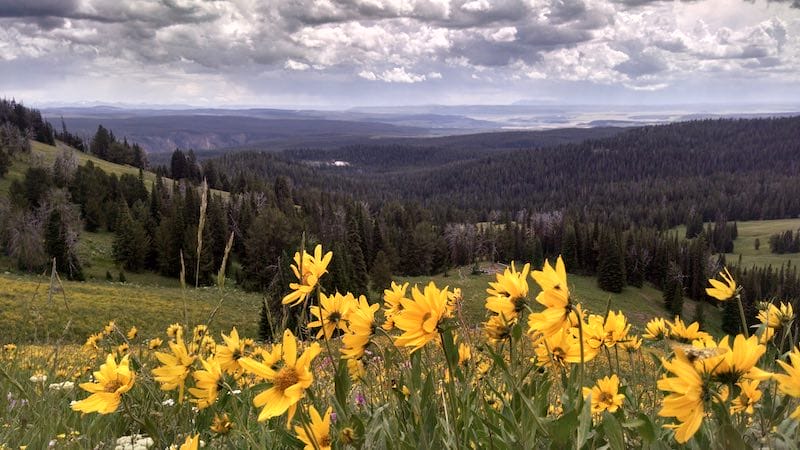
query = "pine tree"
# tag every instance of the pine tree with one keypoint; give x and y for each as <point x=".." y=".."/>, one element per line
<point x="101" y="142"/>
<point x="569" y="247"/>
<point x="731" y="322"/>
<point x="666" y="296"/>
<point x="381" y="273"/>
<point x="56" y="246"/>
<point x="676" y="298"/>
<point x="611" y="269"/>
<point x="694" y="225"/>
<point x="360" y="277"/>
<point x="131" y="242"/>
<point x="340" y="272"/>
<point x="700" y="313"/>
<point x="537" y="253"/>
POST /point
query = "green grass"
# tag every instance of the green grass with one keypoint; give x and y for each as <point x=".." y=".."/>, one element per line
<point x="94" y="250"/>
<point x="27" y="315"/>
<point x="45" y="155"/>
<point x="639" y="305"/>
<point x="744" y="245"/>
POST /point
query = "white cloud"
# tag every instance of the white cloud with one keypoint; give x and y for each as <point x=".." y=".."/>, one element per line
<point x="295" y="65"/>
<point x="476" y="6"/>
<point x="399" y="75"/>
<point x="368" y="75"/>
<point x="505" y="34"/>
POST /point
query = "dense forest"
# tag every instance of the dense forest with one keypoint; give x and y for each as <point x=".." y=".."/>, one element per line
<point x="657" y="175"/>
<point x="605" y="204"/>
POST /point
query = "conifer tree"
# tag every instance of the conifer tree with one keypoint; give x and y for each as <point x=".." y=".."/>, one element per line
<point x="569" y="247"/>
<point x="611" y="265"/>
<point x="676" y="298"/>
<point x="131" y="242"/>
<point x="381" y="273"/>
<point x="56" y="246"/>
<point x="700" y="313"/>
<point x="359" y="275"/>
<point x="340" y="272"/>
<point x="731" y="322"/>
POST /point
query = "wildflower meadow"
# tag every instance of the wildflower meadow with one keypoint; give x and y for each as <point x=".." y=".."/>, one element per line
<point x="540" y="372"/>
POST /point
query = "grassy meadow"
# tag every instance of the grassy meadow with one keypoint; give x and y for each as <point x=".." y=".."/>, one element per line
<point x="639" y="304"/>
<point x="744" y="245"/>
<point x="366" y="383"/>
<point x="29" y="314"/>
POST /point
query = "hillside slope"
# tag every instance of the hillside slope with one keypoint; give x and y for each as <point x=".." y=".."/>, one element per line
<point x="44" y="155"/>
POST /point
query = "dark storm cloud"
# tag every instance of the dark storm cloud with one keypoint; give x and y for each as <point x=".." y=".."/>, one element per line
<point x="794" y="3"/>
<point x="38" y="8"/>
<point x="568" y="23"/>
<point x="641" y="64"/>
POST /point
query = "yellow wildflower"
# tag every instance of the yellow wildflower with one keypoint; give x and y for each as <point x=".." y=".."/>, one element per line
<point x="221" y="424"/>
<point x="789" y="383"/>
<point x="689" y="391"/>
<point x="191" y="443"/>
<point x="421" y="317"/>
<point x="722" y="291"/>
<point x="154" y="343"/>
<point x="175" y="367"/>
<point x="175" y="331"/>
<point x="561" y="348"/>
<point x="111" y="381"/>
<point x="289" y="382"/>
<point x="392" y="304"/>
<point x="738" y="362"/>
<point x="464" y="353"/>
<point x="616" y="327"/>
<point x="318" y="435"/>
<point x="308" y="270"/>
<point x="656" y="329"/>
<point x="361" y="329"/>
<point x="207" y="383"/>
<point x="776" y="317"/>
<point x="332" y="314"/>
<point x="498" y="328"/>
<point x="687" y="334"/>
<point x="356" y="369"/>
<point x="605" y="395"/>
<point x="508" y="295"/>
<point x="749" y="395"/>
<point x="555" y="298"/>
<point x="228" y="355"/>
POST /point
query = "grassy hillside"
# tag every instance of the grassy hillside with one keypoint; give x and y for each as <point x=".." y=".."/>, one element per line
<point x="744" y="245"/>
<point x="44" y="155"/>
<point x="27" y="315"/>
<point x="639" y="305"/>
<point x="94" y="250"/>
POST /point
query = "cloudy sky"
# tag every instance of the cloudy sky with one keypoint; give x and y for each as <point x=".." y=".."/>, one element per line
<point x="342" y="53"/>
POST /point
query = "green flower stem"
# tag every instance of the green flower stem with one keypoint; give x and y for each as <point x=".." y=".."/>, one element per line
<point x="741" y="316"/>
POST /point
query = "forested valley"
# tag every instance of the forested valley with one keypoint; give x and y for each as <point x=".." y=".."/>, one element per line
<point x="610" y="205"/>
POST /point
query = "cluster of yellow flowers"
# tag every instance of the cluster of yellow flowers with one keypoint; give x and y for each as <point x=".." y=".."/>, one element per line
<point x="700" y="371"/>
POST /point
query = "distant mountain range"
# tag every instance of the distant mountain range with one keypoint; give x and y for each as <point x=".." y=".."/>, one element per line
<point x="204" y="129"/>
